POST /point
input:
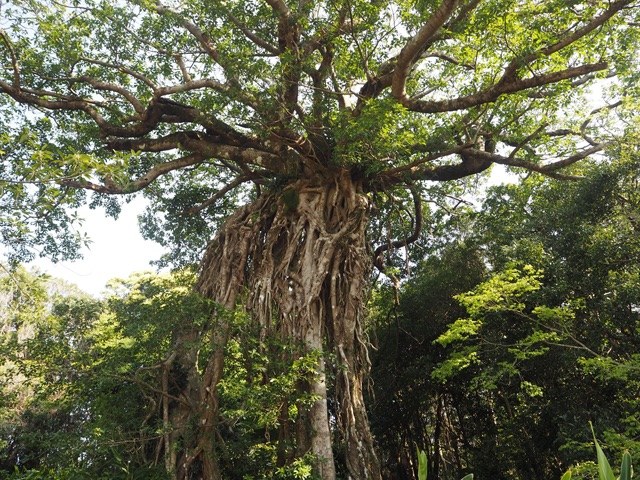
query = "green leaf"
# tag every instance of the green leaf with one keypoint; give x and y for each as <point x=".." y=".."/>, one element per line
<point x="422" y="464"/>
<point x="604" y="469"/>
<point x="567" y="475"/>
<point x="626" y="470"/>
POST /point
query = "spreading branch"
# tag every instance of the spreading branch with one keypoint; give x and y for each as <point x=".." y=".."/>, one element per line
<point x="106" y="86"/>
<point x="549" y="169"/>
<point x="121" y="68"/>
<point x="252" y="36"/>
<point x="411" y="51"/>
<point x="110" y="187"/>
<point x="226" y="189"/>
<point x="14" y="59"/>
<point x="507" y="84"/>
<point x="291" y="117"/>
<point x="203" y="39"/>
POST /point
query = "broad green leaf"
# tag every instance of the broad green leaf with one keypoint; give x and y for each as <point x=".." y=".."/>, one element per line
<point x="604" y="468"/>
<point x="422" y="464"/>
<point x="626" y="470"/>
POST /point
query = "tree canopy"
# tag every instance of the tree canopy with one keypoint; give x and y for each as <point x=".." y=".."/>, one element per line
<point x="190" y="101"/>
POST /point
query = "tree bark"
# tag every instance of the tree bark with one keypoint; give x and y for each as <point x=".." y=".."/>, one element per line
<point x="300" y="256"/>
<point x="196" y="417"/>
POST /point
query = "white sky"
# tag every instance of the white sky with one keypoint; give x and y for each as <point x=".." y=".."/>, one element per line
<point x="117" y="250"/>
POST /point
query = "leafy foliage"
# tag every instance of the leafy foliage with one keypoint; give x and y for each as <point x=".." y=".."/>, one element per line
<point x="70" y="359"/>
<point x="547" y="342"/>
<point x="216" y="96"/>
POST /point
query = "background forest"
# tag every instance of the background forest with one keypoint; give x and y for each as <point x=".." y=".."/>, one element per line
<point x="518" y="325"/>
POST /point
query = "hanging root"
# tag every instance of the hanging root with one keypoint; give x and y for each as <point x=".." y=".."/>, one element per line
<point x="300" y="259"/>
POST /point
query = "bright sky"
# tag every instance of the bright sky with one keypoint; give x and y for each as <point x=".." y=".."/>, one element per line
<point x="118" y="250"/>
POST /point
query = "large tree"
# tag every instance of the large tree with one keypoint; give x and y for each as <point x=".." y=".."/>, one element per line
<point x="285" y="130"/>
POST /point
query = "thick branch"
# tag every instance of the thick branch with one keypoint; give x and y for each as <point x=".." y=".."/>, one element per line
<point x="575" y="36"/>
<point x="110" y="87"/>
<point x="151" y="117"/>
<point x="475" y="161"/>
<point x="394" y="73"/>
<point x="110" y="187"/>
<point x="209" y="146"/>
<point x="159" y="110"/>
<point x="429" y="158"/>
<point x="160" y="144"/>
<point x="203" y="39"/>
<point x="411" y="51"/>
<point x="203" y="83"/>
<point x="463" y="13"/>
<point x="241" y="154"/>
<point x="383" y="79"/>
<point x="505" y="86"/>
<point x="121" y="68"/>
<point x="194" y="30"/>
<point x="291" y="64"/>
<point x="471" y="164"/>
<point x="192" y="85"/>
<point x="509" y="83"/>
<point x="575" y="83"/>
<point x="279" y="7"/>
<point x="548" y="169"/>
<point x="316" y="130"/>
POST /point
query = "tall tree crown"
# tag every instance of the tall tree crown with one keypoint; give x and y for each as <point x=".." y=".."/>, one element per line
<point x="192" y="100"/>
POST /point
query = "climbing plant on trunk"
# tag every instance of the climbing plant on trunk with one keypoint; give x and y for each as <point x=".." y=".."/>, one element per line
<point x="297" y="142"/>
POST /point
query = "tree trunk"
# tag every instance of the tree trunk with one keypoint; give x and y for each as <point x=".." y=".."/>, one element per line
<point x="301" y="257"/>
<point x="196" y="416"/>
